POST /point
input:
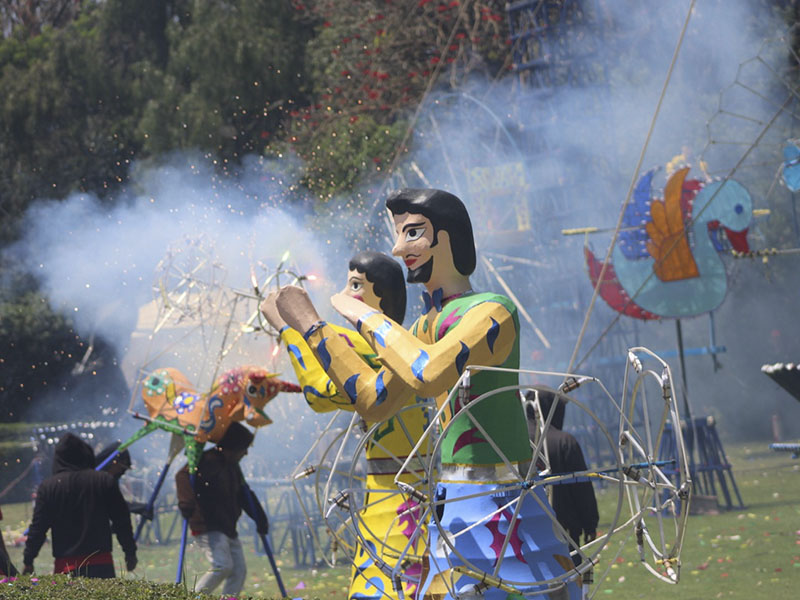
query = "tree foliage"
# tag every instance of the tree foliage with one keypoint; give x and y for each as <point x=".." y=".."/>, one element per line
<point x="232" y="69"/>
<point x="89" y="92"/>
<point x="371" y="63"/>
<point x="90" y="87"/>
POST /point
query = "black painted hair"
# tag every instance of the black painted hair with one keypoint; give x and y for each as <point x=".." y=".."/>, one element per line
<point x="446" y="212"/>
<point x="386" y="276"/>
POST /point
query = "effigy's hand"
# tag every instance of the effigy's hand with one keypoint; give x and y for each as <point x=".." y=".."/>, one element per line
<point x="269" y="308"/>
<point x="350" y="308"/>
<point x="296" y="309"/>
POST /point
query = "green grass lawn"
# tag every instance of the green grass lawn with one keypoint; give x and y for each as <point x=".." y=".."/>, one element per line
<point x="752" y="553"/>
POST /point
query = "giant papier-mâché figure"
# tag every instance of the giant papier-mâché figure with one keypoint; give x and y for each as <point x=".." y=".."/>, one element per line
<point x="390" y="520"/>
<point x="458" y="328"/>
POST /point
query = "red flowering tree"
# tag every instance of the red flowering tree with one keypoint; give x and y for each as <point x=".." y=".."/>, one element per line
<point x="372" y="62"/>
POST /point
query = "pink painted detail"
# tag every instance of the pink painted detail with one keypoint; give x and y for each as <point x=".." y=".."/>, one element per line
<point x="347" y="339"/>
<point x="467" y="438"/>
<point x="411" y="513"/>
<point x="449" y="320"/>
<point x="498" y="538"/>
<point x="414" y="570"/>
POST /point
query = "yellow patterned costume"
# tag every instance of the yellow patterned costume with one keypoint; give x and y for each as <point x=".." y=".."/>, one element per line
<point x="476" y="476"/>
<point x="389" y="520"/>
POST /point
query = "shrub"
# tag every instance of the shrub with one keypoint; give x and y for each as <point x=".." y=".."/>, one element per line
<point x="63" y="587"/>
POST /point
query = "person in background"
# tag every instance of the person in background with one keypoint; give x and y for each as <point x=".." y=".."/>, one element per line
<point x="214" y="504"/>
<point x="575" y="504"/>
<point x="6" y="567"/>
<point x="117" y="468"/>
<point x="81" y="507"/>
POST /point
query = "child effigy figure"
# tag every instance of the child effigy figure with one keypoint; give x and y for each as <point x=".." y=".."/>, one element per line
<point x="390" y="521"/>
<point x="458" y="328"/>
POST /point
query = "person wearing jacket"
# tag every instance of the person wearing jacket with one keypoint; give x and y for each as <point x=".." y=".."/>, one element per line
<point x="214" y="504"/>
<point x="117" y="468"/>
<point x="575" y="504"/>
<point x="81" y="507"/>
<point x="6" y="567"/>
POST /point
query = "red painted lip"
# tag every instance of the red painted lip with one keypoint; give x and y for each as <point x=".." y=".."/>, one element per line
<point x="358" y="297"/>
<point x="738" y="239"/>
<point x="410" y="261"/>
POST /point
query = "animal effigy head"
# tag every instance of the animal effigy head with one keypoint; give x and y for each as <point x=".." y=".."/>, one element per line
<point x="248" y="389"/>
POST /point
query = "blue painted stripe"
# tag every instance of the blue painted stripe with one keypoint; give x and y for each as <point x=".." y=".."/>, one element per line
<point x="380" y="390"/>
<point x="297" y="354"/>
<point x="323" y="354"/>
<point x="310" y="392"/>
<point x="364" y="318"/>
<point x="210" y="421"/>
<point x="418" y="366"/>
<point x="350" y="388"/>
<point x="381" y="331"/>
<point x="491" y="335"/>
<point x="462" y="357"/>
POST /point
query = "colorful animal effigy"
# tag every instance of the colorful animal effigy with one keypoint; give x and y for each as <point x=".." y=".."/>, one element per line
<point x="666" y="262"/>
<point x="174" y="405"/>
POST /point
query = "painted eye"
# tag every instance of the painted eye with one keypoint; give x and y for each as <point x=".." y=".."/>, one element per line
<point x="356" y="286"/>
<point x="251" y="389"/>
<point x="739" y="209"/>
<point x="414" y="234"/>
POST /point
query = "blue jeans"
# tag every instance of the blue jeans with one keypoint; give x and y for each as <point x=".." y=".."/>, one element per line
<point x="226" y="563"/>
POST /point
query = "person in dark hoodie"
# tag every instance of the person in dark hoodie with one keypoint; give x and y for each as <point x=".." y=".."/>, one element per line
<point x="575" y="504"/>
<point x="117" y="467"/>
<point x="81" y="507"/>
<point x="214" y="506"/>
<point x="6" y="567"/>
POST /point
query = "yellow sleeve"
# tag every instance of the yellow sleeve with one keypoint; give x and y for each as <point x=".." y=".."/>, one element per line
<point x="483" y="335"/>
<point x="319" y="390"/>
<point x="375" y="395"/>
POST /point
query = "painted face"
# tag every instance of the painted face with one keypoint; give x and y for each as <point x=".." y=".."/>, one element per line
<point x="360" y="288"/>
<point x="415" y="244"/>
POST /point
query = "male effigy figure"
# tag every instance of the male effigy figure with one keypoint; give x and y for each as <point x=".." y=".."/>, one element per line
<point x="459" y="328"/>
<point x="390" y="521"/>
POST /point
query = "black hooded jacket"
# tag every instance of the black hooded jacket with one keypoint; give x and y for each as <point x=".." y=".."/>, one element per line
<point x="219" y="493"/>
<point x="80" y="505"/>
<point x="575" y="504"/>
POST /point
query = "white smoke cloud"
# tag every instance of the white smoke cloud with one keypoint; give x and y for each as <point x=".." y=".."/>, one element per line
<point x="97" y="262"/>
